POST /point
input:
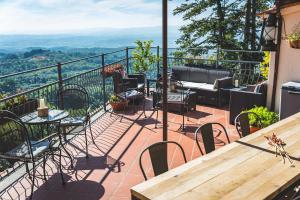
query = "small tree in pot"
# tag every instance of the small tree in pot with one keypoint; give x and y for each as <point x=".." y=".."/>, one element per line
<point x="143" y="57"/>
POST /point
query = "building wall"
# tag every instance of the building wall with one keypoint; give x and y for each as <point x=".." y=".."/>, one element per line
<point x="289" y="64"/>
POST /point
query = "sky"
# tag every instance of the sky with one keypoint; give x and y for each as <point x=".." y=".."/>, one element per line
<point x="66" y="16"/>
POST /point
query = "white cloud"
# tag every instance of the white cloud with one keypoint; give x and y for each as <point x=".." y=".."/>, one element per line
<point x="59" y="16"/>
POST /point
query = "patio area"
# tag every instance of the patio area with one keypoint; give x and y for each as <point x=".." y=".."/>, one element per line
<point x="113" y="165"/>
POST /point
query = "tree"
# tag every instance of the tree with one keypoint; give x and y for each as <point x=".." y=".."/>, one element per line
<point x="228" y="24"/>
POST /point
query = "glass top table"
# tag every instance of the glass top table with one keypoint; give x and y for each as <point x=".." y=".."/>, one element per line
<point x="54" y="116"/>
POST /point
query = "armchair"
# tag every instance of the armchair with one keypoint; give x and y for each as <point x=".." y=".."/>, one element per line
<point x="246" y="99"/>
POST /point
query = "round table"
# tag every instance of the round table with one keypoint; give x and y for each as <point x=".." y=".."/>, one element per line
<point x="54" y="116"/>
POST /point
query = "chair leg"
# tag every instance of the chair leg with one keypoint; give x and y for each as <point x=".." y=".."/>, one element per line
<point x="156" y="118"/>
<point x="60" y="168"/>
<point x="144" y="107"/>
<point x="44" y="168"/>
<point x="32" y="180"/>
<point x="90" y="125"/>
<point x="27" y="170"/>
<point x="86" y="143"/>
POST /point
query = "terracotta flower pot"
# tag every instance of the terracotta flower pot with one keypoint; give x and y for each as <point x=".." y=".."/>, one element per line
<point x="254" y="129"/>
<point x="118" y="105"/>
<point x="295" y="44"/>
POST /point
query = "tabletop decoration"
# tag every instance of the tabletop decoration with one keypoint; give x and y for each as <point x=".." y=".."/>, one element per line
<point x="279" y="144"/>
<point x="43" y="110"/>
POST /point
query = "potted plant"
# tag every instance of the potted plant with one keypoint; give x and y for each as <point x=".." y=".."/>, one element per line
<point x="117" y="103"/>
<point x="266" y="118"/>
<point x="21" y="105"/>
<point x="294" y="37"/>
<point x="143" y="58"/>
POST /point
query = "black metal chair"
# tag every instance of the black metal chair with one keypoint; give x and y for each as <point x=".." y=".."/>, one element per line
<point x="242" y="123"/>
<point x="159" y="157"/>
<point x="128" y="90"/>
<point x="178" y="100"/>
<point x="75" y="99"/>
<point x="207" y="133"/>
<point x="17" y="145"/>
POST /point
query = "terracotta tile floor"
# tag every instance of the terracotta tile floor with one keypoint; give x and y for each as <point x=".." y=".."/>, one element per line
<point x="112" y="168"/>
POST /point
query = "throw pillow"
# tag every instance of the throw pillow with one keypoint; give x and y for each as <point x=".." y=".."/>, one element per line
<point x="216" y="84"/>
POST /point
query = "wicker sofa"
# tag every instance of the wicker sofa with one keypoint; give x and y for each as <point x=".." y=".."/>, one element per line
<point x="206" y="82"/>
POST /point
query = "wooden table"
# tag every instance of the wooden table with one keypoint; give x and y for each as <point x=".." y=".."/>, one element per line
<point x="246" y="169"/>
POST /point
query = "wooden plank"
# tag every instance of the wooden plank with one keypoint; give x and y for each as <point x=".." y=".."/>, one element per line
<point x="241" y="167"/>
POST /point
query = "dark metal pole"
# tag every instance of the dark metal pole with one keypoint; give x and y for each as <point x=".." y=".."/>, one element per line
<point x="103" y="82"/>
<point x="60" y="85"/>
<point x="165" y="68"/>
<point x="158" y="61"/>
<point x="127" y="60"/>
<point x="277" y="56"/>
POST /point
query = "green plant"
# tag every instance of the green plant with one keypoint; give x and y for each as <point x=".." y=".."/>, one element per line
<point x="267" y="117"/>
<point x="114" y="99"/>
<point x="143" y="57"/>
<point x="294" y="37"/>
<point x="21" y="99"/>
<point x="265" y="65"/>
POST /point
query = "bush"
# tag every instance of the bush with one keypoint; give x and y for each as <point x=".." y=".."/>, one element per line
<point x="267" y="117"/>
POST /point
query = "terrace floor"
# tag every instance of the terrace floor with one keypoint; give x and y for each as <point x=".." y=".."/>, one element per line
<point x="113" y="168"/>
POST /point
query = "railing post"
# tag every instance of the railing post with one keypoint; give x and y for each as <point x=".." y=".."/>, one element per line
<point x="157" y="65"/>
<point x="127" y="60"/>
<point x="103" y="82"/>
<point x="60" y="85"/>
<point x="218" y="57"/>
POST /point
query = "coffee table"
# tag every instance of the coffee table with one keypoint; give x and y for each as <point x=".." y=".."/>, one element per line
<point x="176" y="98"/>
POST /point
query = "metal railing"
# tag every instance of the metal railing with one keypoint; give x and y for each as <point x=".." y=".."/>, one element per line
<point x="100" y="88"/>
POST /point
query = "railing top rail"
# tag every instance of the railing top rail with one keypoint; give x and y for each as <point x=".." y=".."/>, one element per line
<point x="27" y="71"/>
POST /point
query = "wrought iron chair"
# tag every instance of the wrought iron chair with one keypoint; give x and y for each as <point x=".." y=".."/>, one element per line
<point x="16" y="145"/>
<point x="128" y="90"/>
<point x="75" y="99"/>
<point x="242" y="123"/>
<point x="179" y="100"/>
<point x="207" y="133"/>
<point x="159" y="157"/>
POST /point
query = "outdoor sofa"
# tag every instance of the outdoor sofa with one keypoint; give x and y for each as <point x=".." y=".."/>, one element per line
<point x="205" y="81"/>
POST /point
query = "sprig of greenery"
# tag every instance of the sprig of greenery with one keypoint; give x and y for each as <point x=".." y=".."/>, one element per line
<point x="114" y="99"/>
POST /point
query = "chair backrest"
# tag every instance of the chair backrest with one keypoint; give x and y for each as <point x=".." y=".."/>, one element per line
<point x="207" y="133"/>
<point x="159" y="157"/>
<point x="13" y="136"/>
<point x="117" y="81"/>
<point x="242" y="123"/>
<point x="74" y="98"/>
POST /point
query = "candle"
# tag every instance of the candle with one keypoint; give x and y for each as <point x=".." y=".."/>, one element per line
<point x="236" y="83"/>
<point x="42" y="103"/>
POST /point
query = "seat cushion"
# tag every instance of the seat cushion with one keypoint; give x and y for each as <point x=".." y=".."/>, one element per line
<point x="73" y="121"/>
<point x="141" y="86"/>
<point x="197" y="86"/>
<point x="22" y="150"/>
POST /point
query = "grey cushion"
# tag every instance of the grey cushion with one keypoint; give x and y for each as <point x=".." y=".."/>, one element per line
<point x="193" y="85"/>
<point x="140" y="86"/>
<point x="73" y="121"/>
<point x="23" y="151"/>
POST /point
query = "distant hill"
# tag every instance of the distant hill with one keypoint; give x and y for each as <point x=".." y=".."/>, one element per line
<point x="92" y="38"/>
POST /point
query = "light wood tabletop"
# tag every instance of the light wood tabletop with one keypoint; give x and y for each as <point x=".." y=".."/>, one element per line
<point x="246" y="169"/>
